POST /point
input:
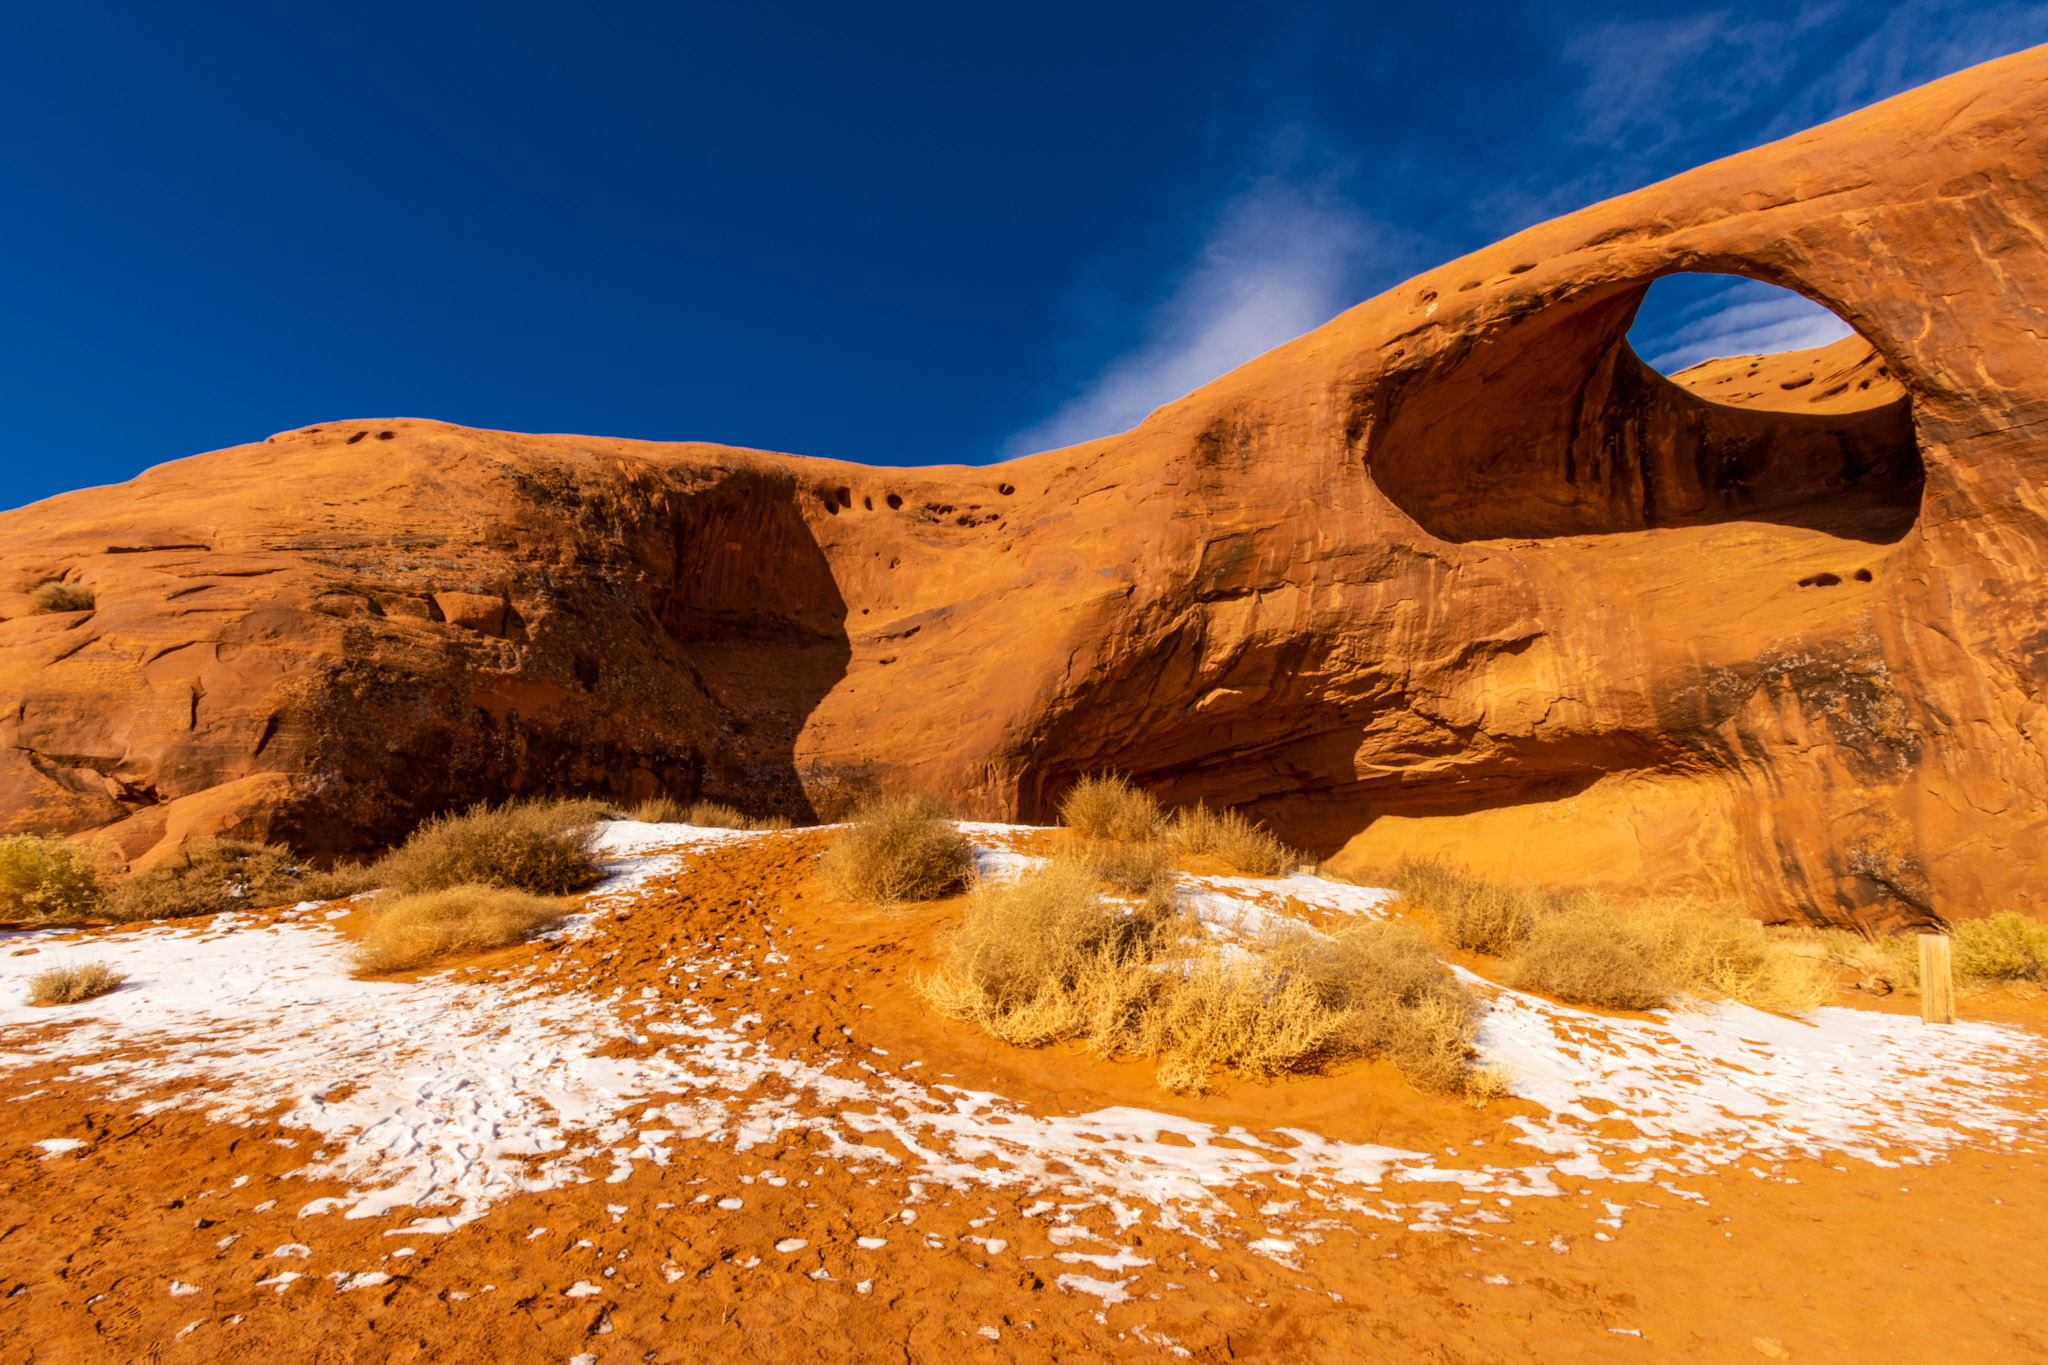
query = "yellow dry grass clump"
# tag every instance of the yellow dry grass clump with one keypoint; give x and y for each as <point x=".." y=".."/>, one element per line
<point x="548" y="847"/>
<point x="897" y="849"/>
<point x="666" y="810"/>
<point x="1232" y="838"/>
<point x="1578" y="947"/>
<point x="415" y="930"/>
<point x="69" y="985"/>
<point x="1048" y="957"/>
<point x="54" y="596"/>
<point x="46" y="878"/>
<point x="1107" y="806"/>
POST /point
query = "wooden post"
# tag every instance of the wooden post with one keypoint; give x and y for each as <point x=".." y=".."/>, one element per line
<point x="1937" y="980"/>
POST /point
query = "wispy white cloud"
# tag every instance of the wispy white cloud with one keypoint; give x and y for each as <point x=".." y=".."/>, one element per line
<point x="1281" y="259"/>
<point x="1652" y="96"/>
<point x="1911" y="44"/>
<point x="1654" y="87"/>
<point x="1744" y="318"/>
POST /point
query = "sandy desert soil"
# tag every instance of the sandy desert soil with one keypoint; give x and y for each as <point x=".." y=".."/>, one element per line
<point x="711" y="1119"/>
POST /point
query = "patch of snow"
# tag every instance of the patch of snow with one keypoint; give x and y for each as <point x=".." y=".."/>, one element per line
<point x="1111" y="1292"/>
<point x="468" y="1092"/>
<point x="365" y="1280"/>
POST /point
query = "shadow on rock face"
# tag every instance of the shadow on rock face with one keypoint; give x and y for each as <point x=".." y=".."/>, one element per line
<point x="752" y="602"/>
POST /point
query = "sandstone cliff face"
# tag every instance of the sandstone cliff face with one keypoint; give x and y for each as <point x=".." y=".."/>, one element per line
<point x="1455" y="573"/>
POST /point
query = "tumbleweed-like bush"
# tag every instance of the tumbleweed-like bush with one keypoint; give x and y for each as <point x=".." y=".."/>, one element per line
<point x="69" y="985"/>
<point x="547" y="847"/>
<point x="1107" y="806"/>
<point x="897" y="849"/>
<point x="412" y="931"/>
<point x="1585" y="949"/>
<point x="666" y="810"/>
<point x="55" y="597"/>
<point x="1472" y="913"/>
<point x="1240" y="842"/>
<point x="1590" y="959"/>
<point x="1048" y="957"/>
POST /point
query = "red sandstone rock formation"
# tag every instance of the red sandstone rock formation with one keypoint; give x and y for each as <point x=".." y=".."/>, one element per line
<point x="1455" y="573"/>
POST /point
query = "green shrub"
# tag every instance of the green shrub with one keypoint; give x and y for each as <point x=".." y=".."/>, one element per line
<point x="206" y="877"/>
<point x="548" y="847"/>
<point x="45" y="878"/>
<point x="54" y="596"/>
<point x="895" y="850"/>
<point x="1106" y="806"/>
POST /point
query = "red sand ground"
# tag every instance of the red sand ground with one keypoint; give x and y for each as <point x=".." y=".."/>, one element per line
<point x="1799" y="1260"/>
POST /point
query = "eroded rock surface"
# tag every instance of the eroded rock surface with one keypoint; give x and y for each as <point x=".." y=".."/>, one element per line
<point x="1456" y="573"/>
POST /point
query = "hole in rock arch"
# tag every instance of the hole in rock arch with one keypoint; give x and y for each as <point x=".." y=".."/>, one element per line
<point x="1554" y="424"/>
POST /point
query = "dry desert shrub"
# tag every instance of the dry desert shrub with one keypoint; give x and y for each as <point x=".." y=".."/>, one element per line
<point x="2006" y="946"/>
<point x="1578" y="947"/>
<point x="1141" y="873"/>
<point x="45" y="878"/>
<point x="69" y="985"/>
<point x="1394" y="998"/>
<point x="666" y="810"/>
<point x="1589" y="952"/>
<point x="1236" y="840"/>
<point x="548" y="847"/>
<point x="1474" y="914"/>
<point x="1237" y="1012"/>
<point x="1043" y="957"/>
<point x="54" y="596"/>
<point x="206" y="877"/>
<point x="338" y="882"/>
<point x="897" y="849"/>
<point x="1718" y="950"/>
<point x="1106" y="806"/>
<point x="471" y="918"/>
<point x="1590" y="959"/>
<point x="662" y="810"/>
<point x="1046" y="957"/>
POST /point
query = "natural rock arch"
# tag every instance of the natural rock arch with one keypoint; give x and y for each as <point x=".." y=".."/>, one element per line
<point x="1551" y="425"/>
<point x="1321" y="588"/>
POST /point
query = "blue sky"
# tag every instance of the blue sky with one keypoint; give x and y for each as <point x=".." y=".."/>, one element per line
<point x="900" y="235"/>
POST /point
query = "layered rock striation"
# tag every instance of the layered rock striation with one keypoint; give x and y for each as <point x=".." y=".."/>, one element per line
<point x="1455" y="574"/>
